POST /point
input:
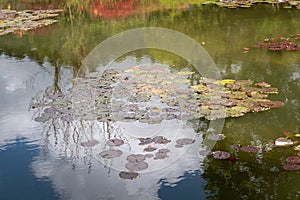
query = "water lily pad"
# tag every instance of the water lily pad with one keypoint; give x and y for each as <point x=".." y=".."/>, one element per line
<point x="144" y="141"/>
<point x="163" y="150"/>
<point x="160" y="140"/>
<point x="221" y="155"/>
<point x="111" y="153"/>
<point x="251" y="149"/>
<point x="216" y="137"/>
<point x="160" y="155"/>
<point x="185" y="141"/>
<point x="178" y="146"/>
<point x="136" y="158"/>
<point x="150" y="149"/>
<point x="298" y="154"/>
<point x="149" y="155"/>
<point x="293" y="159"/>
<point x="128" y="175"/>
<point x="282" y="142"/>
<point x="205" y="152"/>
<point x="136" y="166"/>
<point x="115" y="142"/>
<point x="263" y="84"/>
<point x="291" y="167"/>
<point x="90" y="143"/>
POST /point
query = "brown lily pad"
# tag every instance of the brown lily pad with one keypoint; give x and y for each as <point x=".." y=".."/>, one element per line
<point x="136" y="166"/>
<point x="110" y="153"/>
<point x="115" y="142"/>
<point x="250" y="149"/>
<point x="184" y="141"/>
<point x="136" y="158"/>
<point x="128" y="175"/>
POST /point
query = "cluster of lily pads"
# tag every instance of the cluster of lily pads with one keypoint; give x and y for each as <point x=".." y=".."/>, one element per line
<point x="223" y="155"/>
<point x="281" y="43"/>
<point x="12" y="21"/>
<point x="291" y="162"/>
<point x="153" y="94"/>
<point x="137" y="162"/>
<point x="250" y="3"/>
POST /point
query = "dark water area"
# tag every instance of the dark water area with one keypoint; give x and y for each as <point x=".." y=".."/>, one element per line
<point x="46" y="161"/>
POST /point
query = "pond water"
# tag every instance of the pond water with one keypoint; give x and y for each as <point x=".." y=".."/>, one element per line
<point x="47" y="160"/>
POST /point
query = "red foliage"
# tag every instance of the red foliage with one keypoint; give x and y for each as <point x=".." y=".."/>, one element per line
<point x="113" y="9"/>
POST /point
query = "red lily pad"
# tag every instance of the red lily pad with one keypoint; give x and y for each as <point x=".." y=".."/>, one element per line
<point x="293" y="159"/>
<point x="251" y="149"/>
<point x="221" y="155"/>
<point x="115" y="142"/>
<point x="291" y="166"/>
<point x="136" y="166"/>
<point x="128" y="175"/>
<point x="111" y="154"/>
<point x="298" y="154"/>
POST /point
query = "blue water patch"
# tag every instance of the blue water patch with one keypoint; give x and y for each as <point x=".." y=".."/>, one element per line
<point x="191" y="186"/>
<point x="17" y="180"/>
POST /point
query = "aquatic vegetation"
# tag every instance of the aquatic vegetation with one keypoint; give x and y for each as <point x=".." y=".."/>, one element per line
<point x="136" y="158"/>
<point x="19" y="22"/>
<point x="293" y="159"/>
<point x="249" y="3"/>
<point x="221" y="155"/>
<point x="250" y="149"/>
<point x="110" y="153"/>
<point x="128" y="175"/>
<point x="280" y="43"/>
<point x="291" y="167"/>
<point x="205" y="152"/>
<point x="115" y="142"/>
<point x="136" y="166"/>
<point x="106" y="98"/>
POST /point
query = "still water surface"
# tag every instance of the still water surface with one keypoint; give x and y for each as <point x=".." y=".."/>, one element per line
<point x="41" y="164"/>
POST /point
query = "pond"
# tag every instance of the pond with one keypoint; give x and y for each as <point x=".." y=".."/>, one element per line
<point x="52" y="159"/>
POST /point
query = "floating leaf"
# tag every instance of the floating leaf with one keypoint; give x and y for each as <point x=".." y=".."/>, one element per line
<point x="250" y="149"/>
<point x="221" y="155"/>
<point x="205" y="152"/>
<point x="281" y="142"/>
<point x="293" y="159"/>
<point x="291" y="167"/>
<point x="263" y="84"/>
<point x="128" y="175"/>
<point x="90" y="143"/>
<point x="235" y="147"/>
<point x="185" y="141"/>
<point x="288" y="134"/>
<point x="136" y="158"/>
<point x="144" y="141"/>
<point x="111" y="153"/>
<point x="160" y="140"/>
<point x="297" y="135"/>
<point x="136" y="166"/>
<point x="115" y="142"/>
<point x="150" y="148"/>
